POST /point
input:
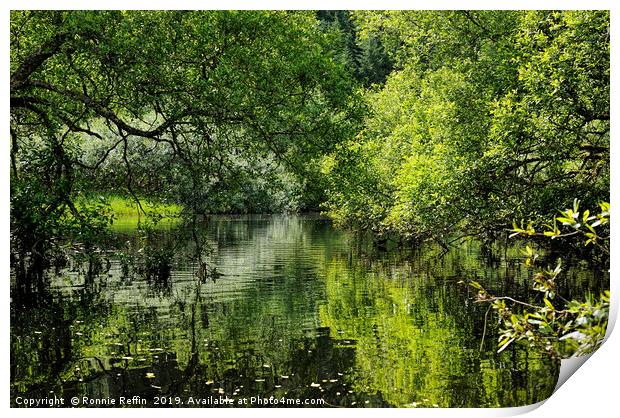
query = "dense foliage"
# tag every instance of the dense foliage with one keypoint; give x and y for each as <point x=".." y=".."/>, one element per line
<point x="485" y="116"/>
<point x="406" y="124"/>
<point x="219" y="111"/>
<point x="490" y="116"/>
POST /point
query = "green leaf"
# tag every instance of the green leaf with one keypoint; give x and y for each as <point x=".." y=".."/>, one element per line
<point x="549" y="304"/>
<point x="514" y="319"/>
<point x="504" y="344"/>
<point x="476" y="285"/>
<point x="586" y="214"/>
<point x="565" y="221"/>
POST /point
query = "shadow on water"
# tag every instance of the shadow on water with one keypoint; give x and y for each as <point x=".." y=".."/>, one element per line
<point x="296" y="312"/>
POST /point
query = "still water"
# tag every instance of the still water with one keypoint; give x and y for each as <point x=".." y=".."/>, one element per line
<point x="298" y="311"/>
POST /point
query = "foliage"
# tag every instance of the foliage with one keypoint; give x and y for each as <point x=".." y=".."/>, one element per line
<point x="364" y="56"/>
<point x="489" y="116"/>
<point x="583" y="224"/>
<point x="563" y="328"/>
<point x="214" y="110"/>
<point x="38" y="222"/>
<point x="485" y="116"/>
<point x="407" y="124"/>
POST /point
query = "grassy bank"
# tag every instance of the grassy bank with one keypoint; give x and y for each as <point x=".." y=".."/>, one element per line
<point x="127" y="213"/>
<point x="127" y="206"/>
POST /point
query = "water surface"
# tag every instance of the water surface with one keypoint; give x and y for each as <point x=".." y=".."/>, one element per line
<point x="300" y="310"/>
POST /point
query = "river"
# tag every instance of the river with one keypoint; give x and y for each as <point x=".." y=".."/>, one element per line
<point x="299" y="311"/>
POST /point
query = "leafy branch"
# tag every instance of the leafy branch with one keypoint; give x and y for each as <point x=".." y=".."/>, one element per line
<point x="562" y="328"/>
<point x="578" y="223"/>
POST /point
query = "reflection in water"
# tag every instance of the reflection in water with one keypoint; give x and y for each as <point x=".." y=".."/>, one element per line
<point x="297" y="312"/>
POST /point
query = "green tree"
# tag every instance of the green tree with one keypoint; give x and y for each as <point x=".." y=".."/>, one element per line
<point x="365" y="57"/>
<point x="489" y="116"/>
<point x="220" y="94"/>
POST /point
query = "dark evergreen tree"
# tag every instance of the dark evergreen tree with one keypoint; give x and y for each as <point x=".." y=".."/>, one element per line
<point x="366" y="58"/>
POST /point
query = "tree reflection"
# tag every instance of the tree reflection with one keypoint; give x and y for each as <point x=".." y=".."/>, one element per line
<point x="296" y="312"/>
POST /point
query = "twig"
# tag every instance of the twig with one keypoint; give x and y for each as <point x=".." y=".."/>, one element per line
<point x="494" y="298"/>
<point x="484" y="330"/>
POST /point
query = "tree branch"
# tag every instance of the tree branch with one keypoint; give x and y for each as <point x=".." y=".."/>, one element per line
<point x="34" y="61"/>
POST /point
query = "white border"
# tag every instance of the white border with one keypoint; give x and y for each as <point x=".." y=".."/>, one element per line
<point x="590" y="392"/>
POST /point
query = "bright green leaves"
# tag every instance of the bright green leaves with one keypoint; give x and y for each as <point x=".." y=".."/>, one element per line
<point x="585" y="332"/>
<point x="575" y="223"/>
<point x="419" y="138"/>
<point x="491" y="116"/>
<point x="570" y="217"/>
<point x="554" y="125"/>
<point x="560" y="327"/>
<point x="527" y="230"/>
<point x="549" y="304"/>
<point x="476" y="285"/>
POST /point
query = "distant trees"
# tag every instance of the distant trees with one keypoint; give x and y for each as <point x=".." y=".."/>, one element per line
<point x="365" y="57"/>
<point x="489" y="116"/>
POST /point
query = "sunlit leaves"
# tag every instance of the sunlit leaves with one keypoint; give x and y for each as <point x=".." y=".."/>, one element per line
<point x="575" y="223"/>
<point x="562" y="328"/>
<point x="490" y="116"/>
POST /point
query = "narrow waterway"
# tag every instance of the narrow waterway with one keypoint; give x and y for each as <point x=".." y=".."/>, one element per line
<point x="298" y="311"/>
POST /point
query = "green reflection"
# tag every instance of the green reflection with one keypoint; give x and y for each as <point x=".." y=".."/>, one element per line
<point x="416" y="340"/>
<point x="296" y="312"/>
<point x="127" y="223"/>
